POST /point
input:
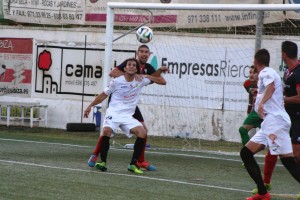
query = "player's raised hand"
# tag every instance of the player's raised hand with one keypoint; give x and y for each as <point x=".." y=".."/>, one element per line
<point x="164" y="69"/>
<point x="261" y="111"/>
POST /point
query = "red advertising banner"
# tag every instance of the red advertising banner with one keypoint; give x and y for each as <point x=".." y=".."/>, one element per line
<point x="15" y="66"/>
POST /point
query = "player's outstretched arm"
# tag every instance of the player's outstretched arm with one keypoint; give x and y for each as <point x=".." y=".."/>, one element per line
<point x="158" y="80"/>
<point x="116" y="73"/>
<point x="162" y="69"/>
<point x="101" y="97"/>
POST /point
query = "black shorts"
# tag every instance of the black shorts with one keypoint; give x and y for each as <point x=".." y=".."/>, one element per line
<point x="138" y="115"/>
<point x="295" y="127"/>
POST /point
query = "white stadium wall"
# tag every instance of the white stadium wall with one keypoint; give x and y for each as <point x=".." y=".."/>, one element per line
<point x="177" y="109"/>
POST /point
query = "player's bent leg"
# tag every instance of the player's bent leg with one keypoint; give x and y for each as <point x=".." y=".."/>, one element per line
<point x="270" y="163"/>
<point x="142" y="163"/>
<point x="244" y="135"/>
<point x="107" y="131"/>
<point x="140" y="132"/>
<point x="142" y="157"/>
<point x="103" y="149"/>
<point x="247" y="155"/>
<point x="94" y="157"/>
<point x="291" y="165"/>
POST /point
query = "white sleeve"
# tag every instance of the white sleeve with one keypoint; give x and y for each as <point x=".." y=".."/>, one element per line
<point x="146" y="81"/>
<point x="110" y="88"/>
<point x="268" y="78"/>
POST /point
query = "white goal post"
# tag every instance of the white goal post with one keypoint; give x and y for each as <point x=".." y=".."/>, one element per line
<point x="220" y="7"/>
<point x="204" y="97"/>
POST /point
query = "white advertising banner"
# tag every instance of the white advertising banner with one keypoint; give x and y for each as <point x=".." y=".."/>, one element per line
<point x="202" y="76"/>
<point x="65" y="72"/>
<point x="201" y="19"/>
<point x="45" y="11"/>
<point x="93" y="12"/>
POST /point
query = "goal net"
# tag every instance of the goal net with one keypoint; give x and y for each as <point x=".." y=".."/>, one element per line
<point x="208" y="49"/>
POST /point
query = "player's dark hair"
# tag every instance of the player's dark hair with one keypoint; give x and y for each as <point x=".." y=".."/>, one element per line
<point x="135" y="60"/>
<point x="290" y="49"/>
<point x="143" y="46"/>
<point x="252" y="67"/>
<point x="262" y="56"/>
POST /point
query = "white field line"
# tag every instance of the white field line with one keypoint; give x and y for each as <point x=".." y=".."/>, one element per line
<point x="148" y="152"/>
<point x="291" y="196"/>
<point x="118" y="174"/>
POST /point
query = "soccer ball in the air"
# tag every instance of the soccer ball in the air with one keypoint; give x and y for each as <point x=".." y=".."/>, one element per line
<point x="144" y="34"/>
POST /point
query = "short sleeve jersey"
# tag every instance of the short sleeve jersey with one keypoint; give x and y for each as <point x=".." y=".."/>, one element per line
<point x="274" y="105"/>
<point x="147" y="69"/>
<point x="124" y="96"/>
<point x="292" y="81"/>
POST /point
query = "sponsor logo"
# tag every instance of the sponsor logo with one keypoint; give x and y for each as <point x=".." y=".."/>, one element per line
<point x="108" y="117"/>
<point x="222" y="69"/>
<point x="6" y="44"/>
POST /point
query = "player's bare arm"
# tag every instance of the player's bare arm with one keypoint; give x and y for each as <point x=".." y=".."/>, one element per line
<point x="116" y="73"/>
<point x="158" y="80"/>
<point x="101" y="97"/>
<point x="268" y="94"/>
<point x="162" y="69"/>
<point x="293" y="99"/>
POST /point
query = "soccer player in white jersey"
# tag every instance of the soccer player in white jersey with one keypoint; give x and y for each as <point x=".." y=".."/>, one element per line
<point x="143" y="54"/>
<point x="124" y="92"/>
<point x="275" y="127"/>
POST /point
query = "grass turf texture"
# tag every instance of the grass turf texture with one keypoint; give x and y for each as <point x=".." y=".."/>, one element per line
<point x="55" y="167"/>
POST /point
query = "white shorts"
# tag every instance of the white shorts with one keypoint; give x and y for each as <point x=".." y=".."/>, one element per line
<point x="125" y="124"/>
<point x="278" y="126"/>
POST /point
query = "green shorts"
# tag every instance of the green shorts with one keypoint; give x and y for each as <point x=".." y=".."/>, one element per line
<point x="253" y="119"/>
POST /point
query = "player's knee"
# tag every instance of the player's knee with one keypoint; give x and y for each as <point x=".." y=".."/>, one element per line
<point x="142" y="133"/>
<point x="245" y="153"/>
<point x="106" y="132"/>
<point x="146" y="130"/>
<point x="139" y="132"/>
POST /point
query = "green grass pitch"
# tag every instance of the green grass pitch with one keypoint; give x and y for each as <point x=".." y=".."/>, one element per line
<point x="52" y="164"/>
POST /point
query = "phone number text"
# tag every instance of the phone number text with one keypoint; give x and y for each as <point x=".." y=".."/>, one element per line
<point x="203" y="18"/>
